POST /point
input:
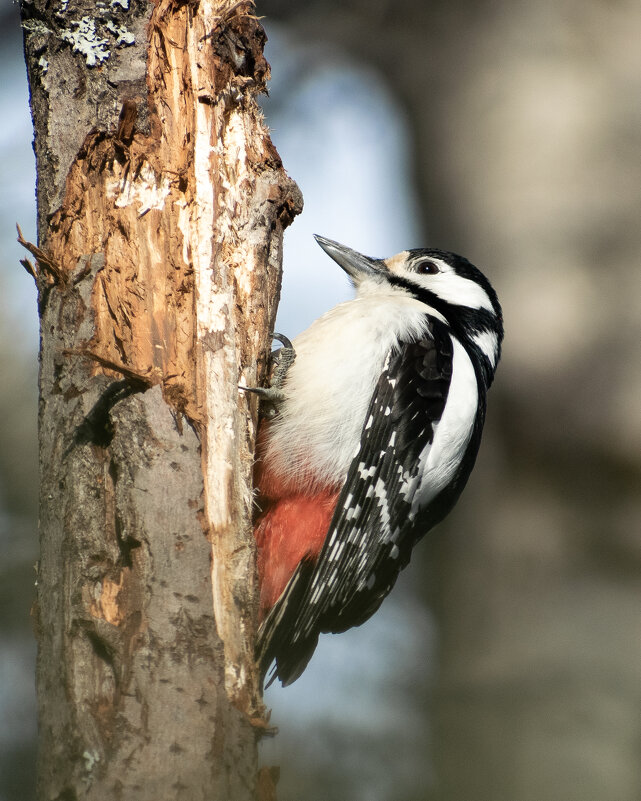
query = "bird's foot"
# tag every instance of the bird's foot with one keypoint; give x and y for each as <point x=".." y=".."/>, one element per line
<point x="279" y="363"/>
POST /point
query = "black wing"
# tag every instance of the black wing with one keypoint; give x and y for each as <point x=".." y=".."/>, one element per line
<point x="371" y="534"/>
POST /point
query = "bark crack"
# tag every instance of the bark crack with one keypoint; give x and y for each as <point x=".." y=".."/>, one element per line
<point x="97" y="428"/>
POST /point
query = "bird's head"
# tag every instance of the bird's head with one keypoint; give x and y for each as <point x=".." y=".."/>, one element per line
<point x="450" y="287"/>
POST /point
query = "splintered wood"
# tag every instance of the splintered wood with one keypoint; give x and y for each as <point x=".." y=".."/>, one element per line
<point x="161" y="209"/>
<point x="189" y="217"/>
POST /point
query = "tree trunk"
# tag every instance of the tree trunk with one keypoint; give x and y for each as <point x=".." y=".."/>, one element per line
<point x="161" y="207"/>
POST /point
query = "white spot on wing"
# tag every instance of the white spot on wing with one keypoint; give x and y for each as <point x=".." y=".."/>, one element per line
<point x="381" y="496"/>
<point x="335" y="553"/>
<point x="315" y="595"/>
<point x="354" y="535"/>
<point x="366" y="472"/>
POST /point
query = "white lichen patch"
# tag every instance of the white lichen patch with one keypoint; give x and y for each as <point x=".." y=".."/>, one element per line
<point x="145" y="190"/>
<point x="43" y="63"/>
<point x="124" y="4"/>
<point x="123" y="36"/>
<point x="63" y="6"/>
<point x="35" y="26"/>
<point x="85" y="40"/>
<point x="91" y="759"/>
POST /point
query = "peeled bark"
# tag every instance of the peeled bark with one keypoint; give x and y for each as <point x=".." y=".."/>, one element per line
<point x="161" y="207"/>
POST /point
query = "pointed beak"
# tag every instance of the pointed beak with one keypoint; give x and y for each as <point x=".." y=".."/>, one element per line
<point x="354" y="263"/>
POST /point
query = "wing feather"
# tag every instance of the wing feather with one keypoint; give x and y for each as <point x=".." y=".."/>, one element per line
<point x="372" y="531"/>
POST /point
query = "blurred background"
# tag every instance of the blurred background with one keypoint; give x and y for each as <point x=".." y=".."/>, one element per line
<point x="506" y="665"/>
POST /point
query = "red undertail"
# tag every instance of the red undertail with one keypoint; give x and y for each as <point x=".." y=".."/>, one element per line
<point x="290" y="527"/>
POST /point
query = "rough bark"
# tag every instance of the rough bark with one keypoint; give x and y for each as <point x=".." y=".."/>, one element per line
<point x="161" y="207"/>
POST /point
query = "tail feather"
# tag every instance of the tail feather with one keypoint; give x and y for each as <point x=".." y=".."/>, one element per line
<point x="278" y="640"/>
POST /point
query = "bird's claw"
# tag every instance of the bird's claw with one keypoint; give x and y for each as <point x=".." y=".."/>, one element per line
<point x="284" y="341"/>
<point x="279" y="363"/>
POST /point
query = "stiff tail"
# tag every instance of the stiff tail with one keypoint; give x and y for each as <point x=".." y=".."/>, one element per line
<point x="274" y="643"/>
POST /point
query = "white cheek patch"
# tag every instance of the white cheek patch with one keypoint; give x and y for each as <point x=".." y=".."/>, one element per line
<point x="458" y="291"/>
<point x="447" y="285"/>
<point x="489" y="344"/>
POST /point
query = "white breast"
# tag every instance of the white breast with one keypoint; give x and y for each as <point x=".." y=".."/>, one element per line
<point x="330" y="384"/>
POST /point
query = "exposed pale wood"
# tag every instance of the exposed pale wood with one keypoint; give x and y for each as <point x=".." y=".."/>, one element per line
<point x="163" y="216"/>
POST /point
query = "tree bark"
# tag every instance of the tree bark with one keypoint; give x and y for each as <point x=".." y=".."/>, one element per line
<point x="161" y="208"/>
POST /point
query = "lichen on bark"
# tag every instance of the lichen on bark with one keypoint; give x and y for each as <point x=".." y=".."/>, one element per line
<point x="161" y="212"/>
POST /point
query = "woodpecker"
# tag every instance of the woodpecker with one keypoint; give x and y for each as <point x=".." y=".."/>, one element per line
<point x="376" y="418"/>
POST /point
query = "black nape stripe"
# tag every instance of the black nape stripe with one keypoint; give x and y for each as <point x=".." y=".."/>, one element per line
<point x="464" y="321"/>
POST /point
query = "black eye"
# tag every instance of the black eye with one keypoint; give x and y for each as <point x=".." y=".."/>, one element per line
<point x="427" y="268"/>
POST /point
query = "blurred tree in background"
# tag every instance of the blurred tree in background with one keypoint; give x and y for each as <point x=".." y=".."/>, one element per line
<point x="525" y="156"/>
